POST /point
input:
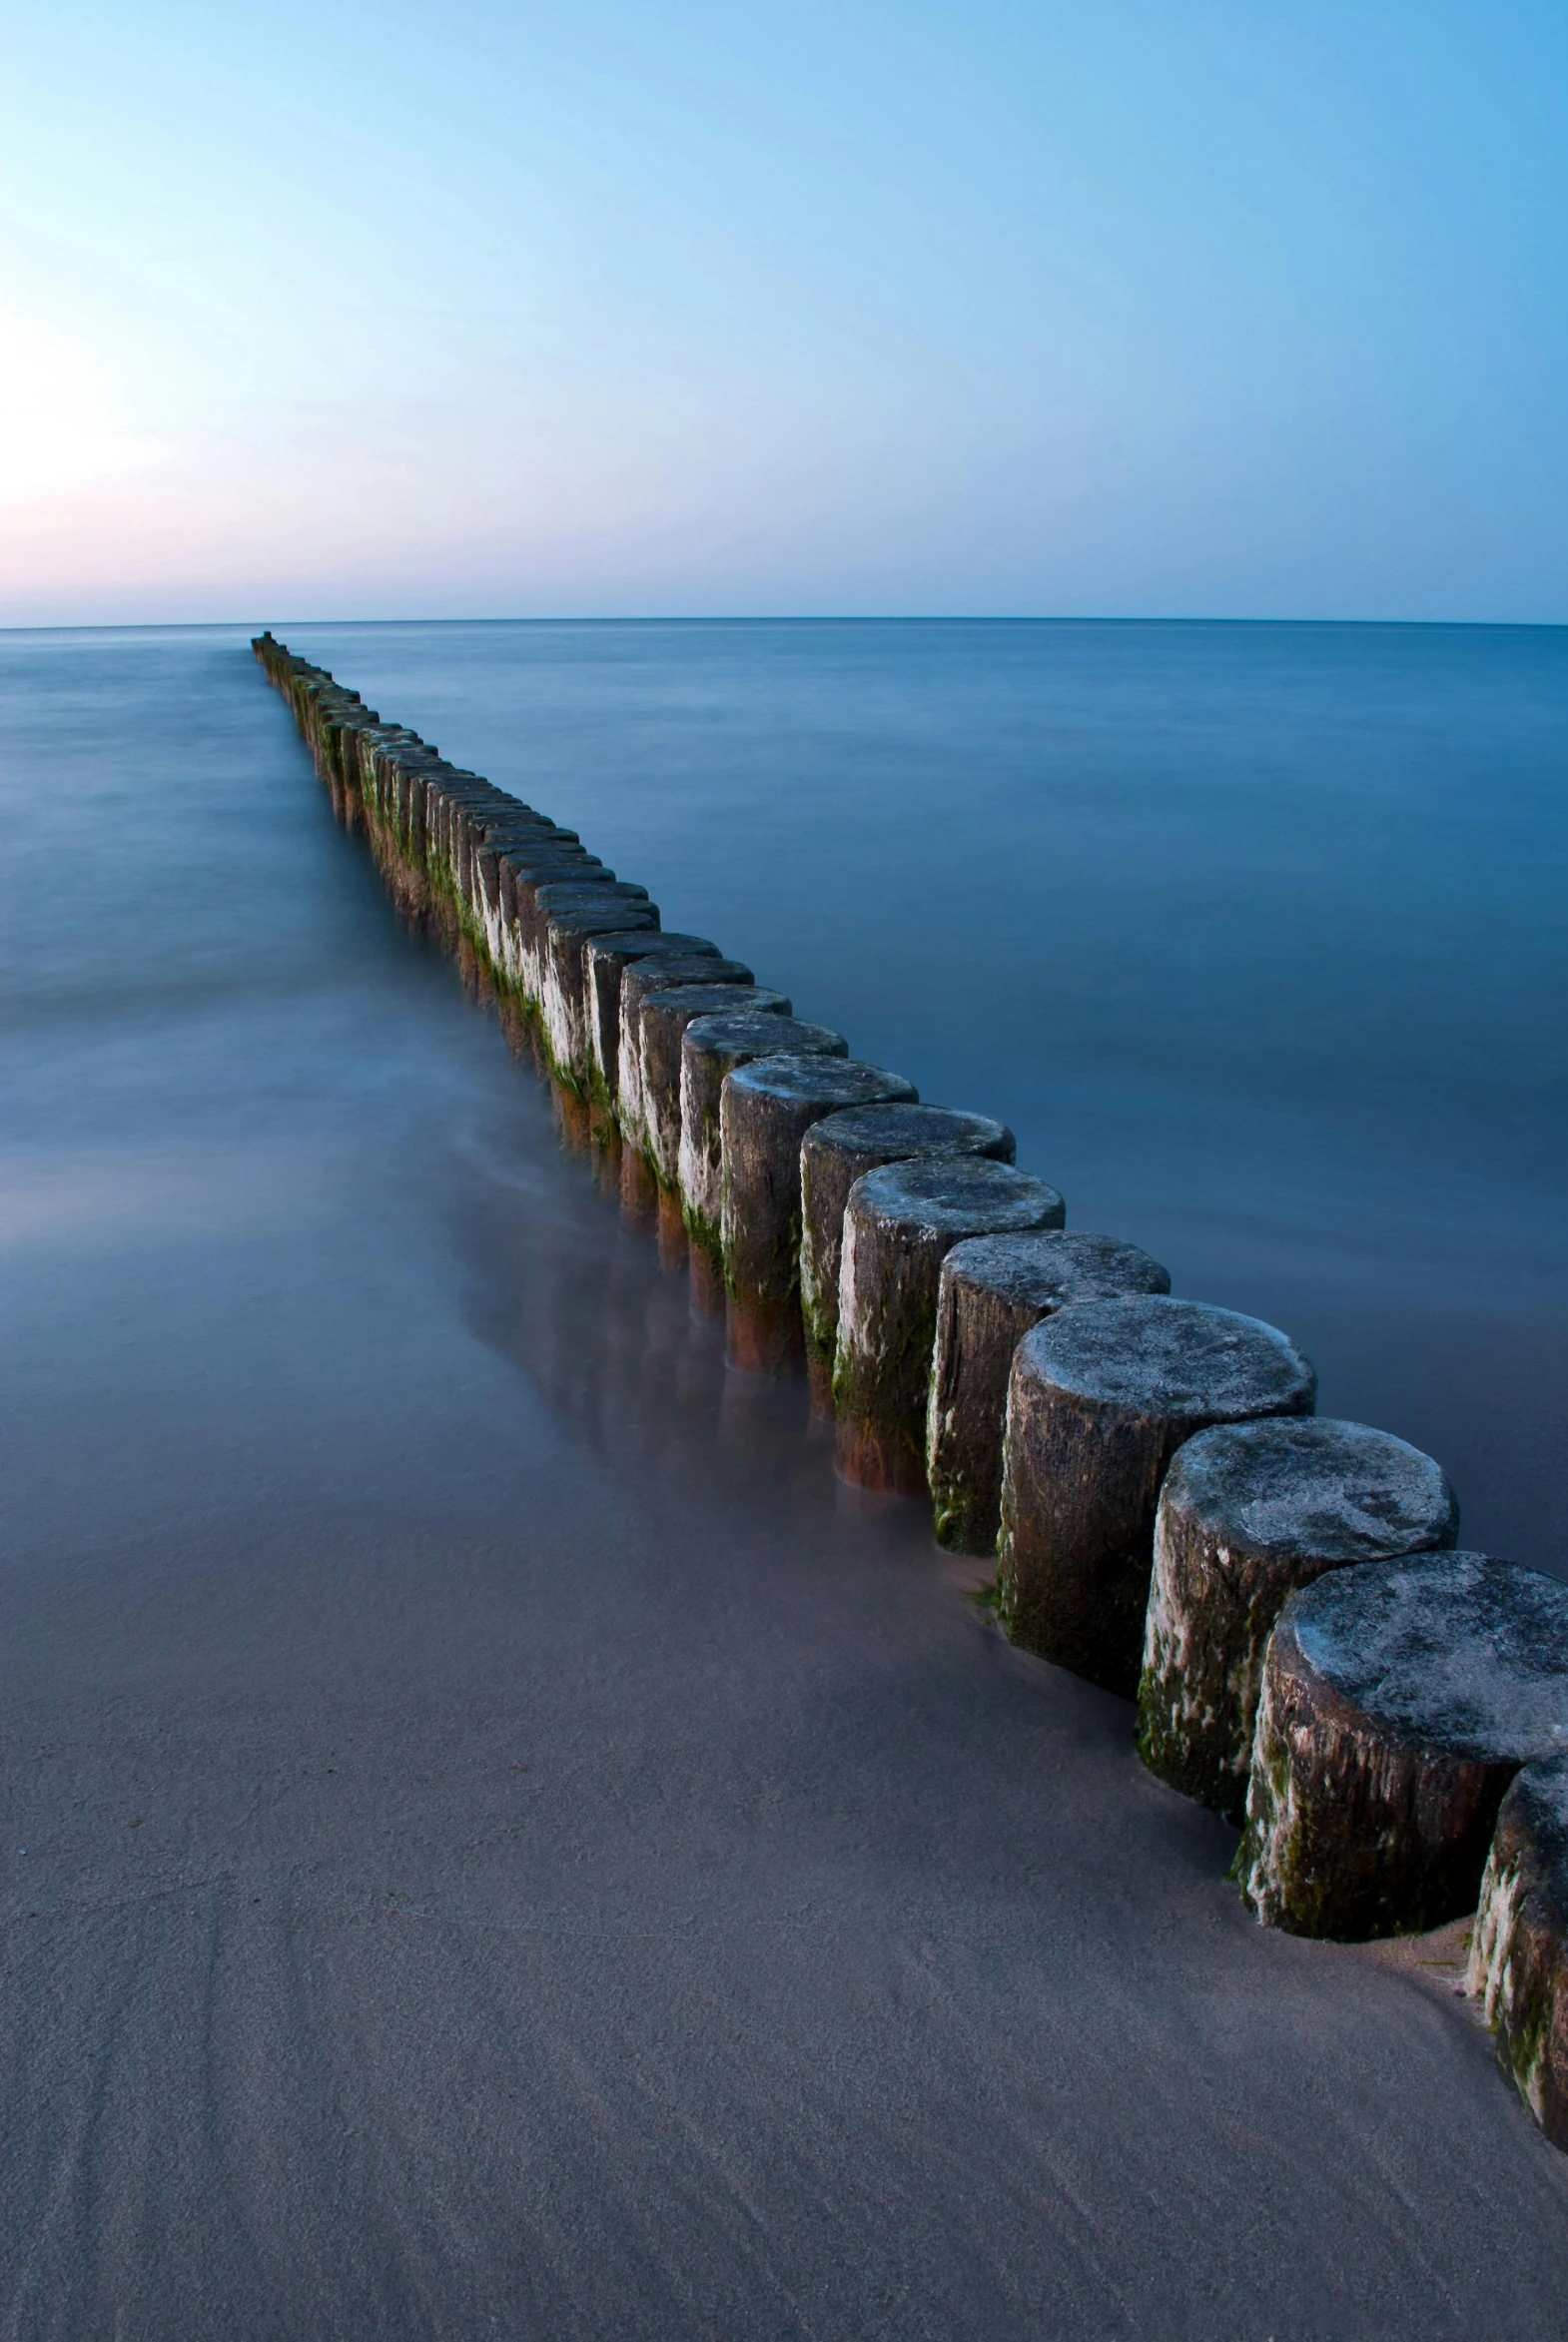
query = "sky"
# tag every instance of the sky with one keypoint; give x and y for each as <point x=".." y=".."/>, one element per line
<point x="1155" y="308"/>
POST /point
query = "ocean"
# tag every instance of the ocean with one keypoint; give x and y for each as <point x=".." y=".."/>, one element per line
<point x="1252" y="933"/>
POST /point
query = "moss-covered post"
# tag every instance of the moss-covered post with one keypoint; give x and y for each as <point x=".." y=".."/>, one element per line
<point x="605" y="959"/>
<point x="566" y="916"/>
<point x="835" y="1153"/>
<point x="766" y="1109"/>
<point x="1248" y="1513"/>
<point x="992" y="1290"/>
<point x="1399" y="1700"/>
<point x="663" y="971"/>
<point x="1100" y="1398"/>
<point x="662" y="1019"/>
<point x="900" y="1224"/>
<point x="543" y="869"/>
<point x="522" y="868"/>
<point x="1519" y="1949"/>
<point x="713" y="1044"/>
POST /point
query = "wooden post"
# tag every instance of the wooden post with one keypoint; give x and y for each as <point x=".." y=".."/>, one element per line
<point x="900" y="1224"/>
<point x="532" y="879"/>
<point x="1250" y="1512"/>
<point x="712" y="1046"/>
<point x="662" y="971"/>
<point x="765" y="1109"/>
<point x="605" y="959"/>
<point x="992" y="1289"/>
<point x="566" y="916"/>
<point x="1399" y="1700"/>
<point x="1100" y="1398"/>
<point x="522" y="870"/>
<point x="661" y="1028"/>
<point x="1519" y="1950"/>
<point x="835" y="1153"/>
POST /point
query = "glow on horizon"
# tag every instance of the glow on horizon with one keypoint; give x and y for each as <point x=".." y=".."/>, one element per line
<point x="1166" y="310"/>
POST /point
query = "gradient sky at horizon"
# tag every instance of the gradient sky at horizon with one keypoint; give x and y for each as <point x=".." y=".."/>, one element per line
<point x="1153" y="310"/>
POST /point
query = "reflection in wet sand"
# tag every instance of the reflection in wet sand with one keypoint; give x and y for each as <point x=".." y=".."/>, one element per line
<point x="585" y="1128"/>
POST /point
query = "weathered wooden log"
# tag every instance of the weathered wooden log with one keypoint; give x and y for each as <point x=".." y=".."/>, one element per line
<point x="573" y="1024"/>
<point x="662" y="1020"/>
<point x="992" y="1290"/>
<point x="604" y="964"/>
<point x="660" y="972"/>
<point x="522" y="870"/>
<point x="1519" y="1950"/>
<point x="1399" y="1700"/>
<point x="835" y="1153"/>
<point x="1100" y="1398"/>
<point x="765" y="1109"/>
<point x="570" y="890"/>
<point x="1248" y="1513"/>
<point x="567" y="925"/>
<point x="490" y="836"/>
<point x="563" y="891"/>
<point x="900" y="1224"/>
<point x="505" y="849"/>
<point x="712" y="1046"/>
<point x="474" y="810"/>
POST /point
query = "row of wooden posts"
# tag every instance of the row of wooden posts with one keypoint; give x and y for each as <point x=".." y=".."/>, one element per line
<point x="1385" y="1715"/>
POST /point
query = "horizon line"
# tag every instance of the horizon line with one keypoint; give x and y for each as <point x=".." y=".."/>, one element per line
<point x="787" y="618"/>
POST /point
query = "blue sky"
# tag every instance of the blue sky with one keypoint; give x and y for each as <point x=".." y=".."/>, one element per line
<point x="396" y="311"/>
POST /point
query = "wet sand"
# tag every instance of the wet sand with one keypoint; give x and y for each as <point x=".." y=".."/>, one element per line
<point x="496" y="1840"/>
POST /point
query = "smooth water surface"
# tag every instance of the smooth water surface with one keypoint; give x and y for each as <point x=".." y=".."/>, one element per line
<point x="495" y="1839"/>
<point x="1253" y="933"/>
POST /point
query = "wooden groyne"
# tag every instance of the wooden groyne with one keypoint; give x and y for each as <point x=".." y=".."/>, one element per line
<point x="1386" y="1716"/>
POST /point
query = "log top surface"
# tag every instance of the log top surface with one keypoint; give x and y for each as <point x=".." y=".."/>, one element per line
<point x="1312" y="1487"/>
<point x="961" y="1194"/>
<point x="813" y="1080"/>
<point x="896" y="1131"/>
<point x="641" y="943"/>
<point x="1457" y="1649"/>
<point x="716" y="999"/>
<point x="498" y="837"/>
<point x="667" y="968"/>
<point x="574" y="894"/>
<point x="1163" y="1357"/>
<point x="762" y="1032"/>
<point x="615" y="941"/>
<point x="621" y="911"/>
<point x="1050" y="1269"/>
<point x="543" y="861"/>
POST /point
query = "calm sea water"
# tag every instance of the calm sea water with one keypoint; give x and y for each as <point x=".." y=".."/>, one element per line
<point x="1253" y="933"/>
